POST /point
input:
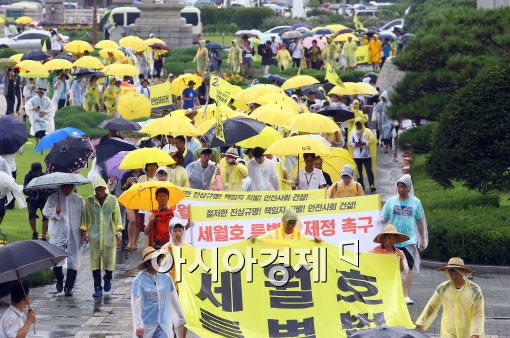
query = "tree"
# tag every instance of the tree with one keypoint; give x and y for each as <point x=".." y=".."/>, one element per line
<point x="448" y="50"/>
<point x="422" y="9"/>
<point x="472" y="142"/>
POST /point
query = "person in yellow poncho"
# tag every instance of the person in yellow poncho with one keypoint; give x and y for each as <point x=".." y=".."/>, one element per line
<point x="349" y="51"/>
<point x="287" y="229"/>
<point x="375" y="50"/>
<point x="230" y="173"/>
<point x="364" y="40"/>
<point x="92" y="95"/>
<point x="330" y="52"/>
<point x="358" y="113"/>
<point x="346" y="187"/>
<point x="462" y="301"/>
<point x="201" y="58"/>
<point x="110" y="59"/>
<point x="283" y="57"/>
<point x="235" y="57"/>
<point x="101" y="225"/>
<point x="110" y="96"/>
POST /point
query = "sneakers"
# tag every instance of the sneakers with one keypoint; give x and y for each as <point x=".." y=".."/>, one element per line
<point x="98" y="292"/>
<point x="372" y="188"/>
<point x="409" y="301"/>
<point x="107" y="285"/>
<point x="35" y="235"/>
<point x="68" y="292"/>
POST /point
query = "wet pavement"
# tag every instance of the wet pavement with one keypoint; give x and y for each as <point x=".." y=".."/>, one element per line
<point x="110" y="316"/>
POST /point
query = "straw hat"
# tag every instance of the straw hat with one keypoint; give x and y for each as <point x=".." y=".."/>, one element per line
<point x="147" y="254"/>
<point x="232" y="152"/>
<point x="391" y="230"/>
<point x="457" y="264"/>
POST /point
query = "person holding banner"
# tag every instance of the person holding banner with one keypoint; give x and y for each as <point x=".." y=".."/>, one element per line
<point x="230" y="173"/>
<point x="388" y="238"/>
<point x="287" y="229"/>
<point x="462" y="301"/>
<point x="262" y="172"/>
<point x="406" y="212"/>
<point x="346" y="187"/>
<point x="178" y="228"/>
<point x="309" y="178"/>
<point x="155" y="306"/>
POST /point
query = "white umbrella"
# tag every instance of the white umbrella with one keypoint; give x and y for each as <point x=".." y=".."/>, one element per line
<point x="291" y="35"/>
<point x="55" y="180"/>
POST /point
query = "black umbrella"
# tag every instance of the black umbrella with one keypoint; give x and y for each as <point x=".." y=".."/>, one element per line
<point x="65" y="57"/>
<point x="159" y="46"/>
<point x="109" y="147"/>
<point x="69" y="155"/>
<point x="35" y="55"/>
<point x="387" y="332"/>
<point x="277" y="79"/>
<point x="373" y="76"/>
<point x="214" y="45"/>
<point x="235" y="130"/>
<point x="339" y="115"/>
<point x="314" y="88"/>
<point x="87" y="72"/>
<point x="119" y="124"/>
<point x="45" y="23"/>
<point x="13" y="134"/>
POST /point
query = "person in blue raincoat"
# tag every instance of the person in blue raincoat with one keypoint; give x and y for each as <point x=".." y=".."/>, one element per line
<point x="155" y="304"/>
<point x="102" y="224"/>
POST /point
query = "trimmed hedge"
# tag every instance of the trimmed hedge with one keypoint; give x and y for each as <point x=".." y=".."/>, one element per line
<point x="244" y="18"/>
<point x="77" y="117"/>
<point x="7" y="52"/>
<point x="418" y="139"/>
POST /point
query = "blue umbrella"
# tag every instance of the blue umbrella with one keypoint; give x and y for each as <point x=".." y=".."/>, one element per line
<point x="323" y="31"/>
<point x="58" y="135"/>
<point x="214" y="45"/>
<point x="13" y="134"/>
<point x="35" y="55"/>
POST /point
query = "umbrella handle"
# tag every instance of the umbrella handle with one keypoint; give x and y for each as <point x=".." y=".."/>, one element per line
<point x="25" y="294"/>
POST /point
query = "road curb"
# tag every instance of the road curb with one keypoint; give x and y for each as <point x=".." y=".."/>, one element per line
<point x="478" y="269"/>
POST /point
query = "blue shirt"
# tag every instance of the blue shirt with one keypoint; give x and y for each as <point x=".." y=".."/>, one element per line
<point x="386" y="50"/>
<point x="403" y="215"/>
<point x="190" y="94"/>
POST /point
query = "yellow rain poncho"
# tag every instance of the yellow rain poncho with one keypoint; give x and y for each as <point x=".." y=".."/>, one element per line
<point x="284" y="59"/>
<point x="102" y="222"/>
<point x="92" y="96"/>
<point x="349" y="51"/>
<point x="330" y="54"/>
<point x="358" y="114"/>
<point x="201" y="58"/>
<point x="235" y="57"/>
<point x="110" y="97"/>
<point x="374" y="50"/>
<point x="463" y="310"/>
<point x="231" y="176"/>
<point x="288" y="215"/>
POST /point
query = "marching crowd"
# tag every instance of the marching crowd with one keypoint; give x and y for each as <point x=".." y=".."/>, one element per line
<point x="101" y="222"/>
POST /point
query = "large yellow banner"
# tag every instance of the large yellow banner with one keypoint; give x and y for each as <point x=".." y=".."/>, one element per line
<point x="160" y="96"/>
<point x="288" y="289"/>
<point x="362" y="55"/>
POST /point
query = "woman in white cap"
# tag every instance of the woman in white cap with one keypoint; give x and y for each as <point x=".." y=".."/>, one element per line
<point x="346" y="187"/>
<point x="155" y="304"/>
<point x="230" y="172"/>
<point x="462" y="301"/>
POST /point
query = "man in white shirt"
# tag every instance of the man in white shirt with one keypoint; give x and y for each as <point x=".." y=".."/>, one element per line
<point x="144" y="89"/>
<point x="262" y="172"/>
<point x="14" y="323"/>
<point x="309" y="178"/>
<point x="295" y="51"/>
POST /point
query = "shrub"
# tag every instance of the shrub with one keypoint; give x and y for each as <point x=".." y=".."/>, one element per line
<point x="418" y="139"/>
<point x="244" y="18"/>
<point x="77" y="117"/>
<point x="319" y="12"/>
<point x="7" y="52"/>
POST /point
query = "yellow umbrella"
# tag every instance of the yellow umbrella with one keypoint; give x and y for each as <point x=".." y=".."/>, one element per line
<point x="137" y="159"/>
<point x="2" y="20"/>
<point x="274" y="114"/>
<point x="57" y="64"/>
<point x="336" y="27"/>
<point x="169" y="125"/>
<point x="295" y="145"/>
<point x="142" y="196"/>
<point x="367" y="89"/>
<point x="150" y="41"/>
<point x="277" y="98"/>
<point x="180" y="114"/>
<point x="333" y="163"/>
<point x="345" y="36"/>
<point x="121" y="70"/>
<point x="32" y="69"/>
<point x="23" y="20"/>
<point x="246" y="96"/>
<point x="106" y="44"/>
<point x="133" y="42"/>
<point x="134" y="105"/>
<point x="88" y="62"/>
<point x="265" y="139"/>
<point x="299" y="81"/>
<point x="78" y="47"/>
<point x="117" y="53"/>
<point x="17" y="57"/>
<point x="312" y="123"/>
<point x="180" y="83"/>
<point x="226" y="113"/>
<point x="353" y="88"/>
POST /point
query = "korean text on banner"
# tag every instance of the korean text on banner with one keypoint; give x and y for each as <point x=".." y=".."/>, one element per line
<point x="224" y="300"/>
<point x="332" y="76"/>
<point x="353" y="219"/>
<point x="160" y="96"/>
<point x="221" y="91"/>
<point x="362" y="55"/>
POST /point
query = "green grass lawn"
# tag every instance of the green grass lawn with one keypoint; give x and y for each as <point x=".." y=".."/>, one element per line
<point x="15" y="224"/>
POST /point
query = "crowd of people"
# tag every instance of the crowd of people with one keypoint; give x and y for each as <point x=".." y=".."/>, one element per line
<point x="101" y="222"/>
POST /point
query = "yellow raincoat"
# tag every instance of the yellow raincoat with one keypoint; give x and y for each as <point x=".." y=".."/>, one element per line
<point x="91" y="96"/>
<point x="358" y="114"/>
<point x="374" y="50"/>
<point x="463" y="310"/>
<point x="339" y="190"/>
<point x="235" y="57"/>
<point x="231" y="176"/>
<point x="330" y="52"/>
<point x="102" y="224"/>
<point x="110" y="97"/>
<point x="284" y="59"/>
<point x="372" y="144"/>
<point x="201" y="58"/>
<point x="279" y="233"/>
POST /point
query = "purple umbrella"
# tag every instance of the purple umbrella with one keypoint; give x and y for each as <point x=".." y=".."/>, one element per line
<point x="112" y="165"/>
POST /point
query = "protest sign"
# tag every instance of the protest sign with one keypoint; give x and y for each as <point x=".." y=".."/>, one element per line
<point x="332" y="76"/>
<point x="283" y="298"/>
<point x="362" y="55"/>
<point x="160" y="96"/>
<point x="333" y="220"/>
<point x="221" y="91"/>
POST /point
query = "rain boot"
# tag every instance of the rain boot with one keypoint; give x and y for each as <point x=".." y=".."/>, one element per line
<point x="107" y="281"/>
<point x="69" y="285"/>
<point x="59" y="276"/>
